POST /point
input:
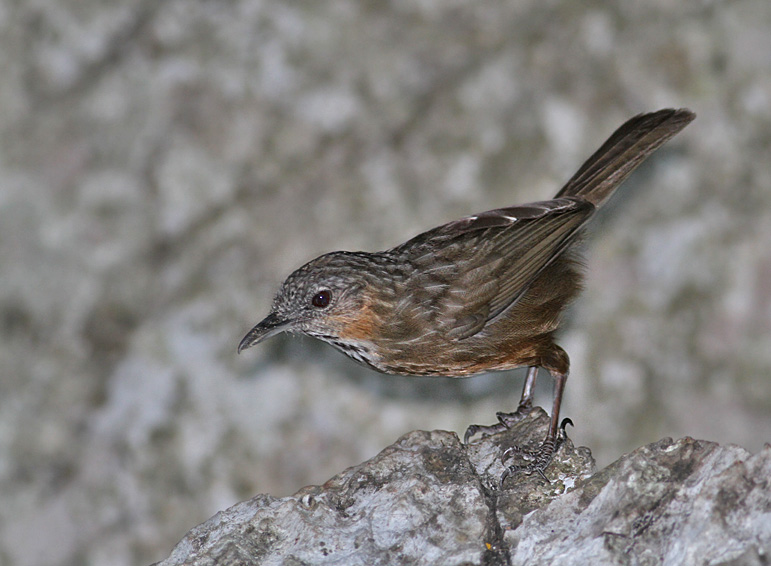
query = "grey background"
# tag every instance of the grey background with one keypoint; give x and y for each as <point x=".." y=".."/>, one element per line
<point x="164" y="165"/>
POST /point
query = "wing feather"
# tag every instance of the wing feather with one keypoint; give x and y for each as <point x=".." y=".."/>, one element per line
<point x="467" y="272"/>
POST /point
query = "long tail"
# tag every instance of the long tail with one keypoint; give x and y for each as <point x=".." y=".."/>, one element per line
<point x="624" y="151"/>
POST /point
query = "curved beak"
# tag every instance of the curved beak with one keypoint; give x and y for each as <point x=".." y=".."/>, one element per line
<point x="269" y="326"/>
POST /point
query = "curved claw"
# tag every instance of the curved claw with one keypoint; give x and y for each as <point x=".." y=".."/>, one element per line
<point x="562" y="436"/>
<point x="470" y="431"/>
<point x="486" y="430"/>
<point x="515" y="449"/>
<point x="504" y="475"/>
<point x="505" y="422"/>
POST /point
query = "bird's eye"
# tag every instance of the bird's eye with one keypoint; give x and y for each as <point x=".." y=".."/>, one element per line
<point x="321" y="299"/>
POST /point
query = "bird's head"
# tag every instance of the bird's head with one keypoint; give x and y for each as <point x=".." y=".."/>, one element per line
<point x="326" y="298"/>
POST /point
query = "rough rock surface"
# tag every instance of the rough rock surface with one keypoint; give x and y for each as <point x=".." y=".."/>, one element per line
<point x="429" y="500"/>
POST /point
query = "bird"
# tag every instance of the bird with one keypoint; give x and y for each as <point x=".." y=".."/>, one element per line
<point x="479" y="294"/>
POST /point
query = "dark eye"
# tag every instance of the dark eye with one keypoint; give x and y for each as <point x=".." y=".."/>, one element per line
<point x="321" y="299"/>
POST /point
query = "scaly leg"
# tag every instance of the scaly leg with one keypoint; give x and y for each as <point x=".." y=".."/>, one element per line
<point x="539" y="459"/>
<point x="506" y="420"/>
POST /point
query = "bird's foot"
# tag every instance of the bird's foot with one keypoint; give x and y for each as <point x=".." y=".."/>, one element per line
<point x="536" y="460"/>
<point x="505" y="422"/>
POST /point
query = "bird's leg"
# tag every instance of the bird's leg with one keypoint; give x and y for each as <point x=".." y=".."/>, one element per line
<point x="525" y="402"/>
<point x="538" y="459"/>
<point x="507" y="420"/>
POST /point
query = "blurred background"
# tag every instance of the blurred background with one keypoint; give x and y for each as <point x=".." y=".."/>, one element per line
<point x="164" y="165"/>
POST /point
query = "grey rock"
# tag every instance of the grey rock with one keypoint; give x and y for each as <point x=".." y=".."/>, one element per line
<point x="429" y="500"/>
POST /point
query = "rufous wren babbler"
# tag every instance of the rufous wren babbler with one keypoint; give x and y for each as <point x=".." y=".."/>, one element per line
<point x="478" y="294"/>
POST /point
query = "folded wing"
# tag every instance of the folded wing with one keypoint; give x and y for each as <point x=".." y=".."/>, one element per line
<point x="469" y="271"/>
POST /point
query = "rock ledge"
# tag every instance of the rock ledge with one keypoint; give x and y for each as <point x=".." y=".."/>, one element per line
<point x="427" y="499"/>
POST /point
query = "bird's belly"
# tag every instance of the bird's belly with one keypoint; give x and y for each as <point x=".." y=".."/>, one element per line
<point x="456" y="358"/>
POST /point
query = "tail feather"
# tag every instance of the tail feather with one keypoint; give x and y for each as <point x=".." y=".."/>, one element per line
<point x="623" y="152"/>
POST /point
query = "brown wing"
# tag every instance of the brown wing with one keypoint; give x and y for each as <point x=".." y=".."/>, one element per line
<point x="469" y="271"/>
